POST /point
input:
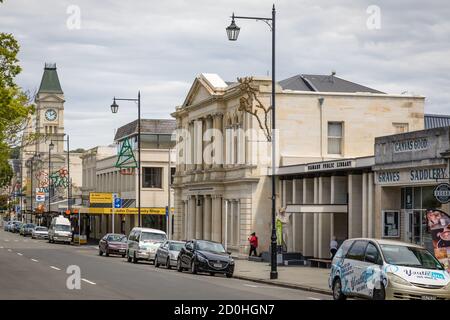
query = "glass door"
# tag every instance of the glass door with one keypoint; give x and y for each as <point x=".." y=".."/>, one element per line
<point x="415" y="226"/>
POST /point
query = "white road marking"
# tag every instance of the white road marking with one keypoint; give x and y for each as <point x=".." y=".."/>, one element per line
<point x="55" y="268"/>
<point x="1" y="247"/>
<point x="16" y="240"/>
<point x="9" y="250"/>
<point x="251" y="285"/>
<point x="19" y="254"/>
<point x="34" y="260"/>
<point x="6" y="240"/>
<point x="311" y="298"/>
<point x="85" y="280"/>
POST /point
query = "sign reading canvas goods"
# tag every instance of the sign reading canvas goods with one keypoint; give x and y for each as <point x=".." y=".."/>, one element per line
<point x="410" y="176"/>
<point x="334" y="165"/>
<point x="411" y="145"/>
<point x="442" y="192"/>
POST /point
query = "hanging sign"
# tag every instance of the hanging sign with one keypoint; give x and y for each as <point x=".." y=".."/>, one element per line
<point x="442" y="192"/>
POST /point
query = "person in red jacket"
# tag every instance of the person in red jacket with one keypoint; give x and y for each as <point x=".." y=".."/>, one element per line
<point x="253" y="239"/>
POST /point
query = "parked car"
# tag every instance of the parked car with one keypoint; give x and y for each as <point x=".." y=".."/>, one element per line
<point x="386" y="269"/>
<point x="16" y="226"/>
<point x="27" y="229"/>
<point x="205" y="256"/>
<point x="60" y="230"/>
<point x="167" y="253"/>
<point x="7" y="225"/>
<point x="113" y="243"/>
<point x="40" y="233"/>
<point x="143" y="243"/>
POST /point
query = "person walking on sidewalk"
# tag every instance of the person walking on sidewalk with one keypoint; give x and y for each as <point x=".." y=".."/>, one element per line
<point x="333" y="247"/>
<point x="253" y="239"/>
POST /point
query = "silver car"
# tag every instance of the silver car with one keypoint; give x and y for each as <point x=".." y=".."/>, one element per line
<point x="39" y="233"/>
<point x="167" y="253"/>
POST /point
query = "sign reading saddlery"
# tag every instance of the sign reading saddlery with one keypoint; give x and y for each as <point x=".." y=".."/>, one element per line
<point x="442" y="192"/>
<point x="411" y="176"/>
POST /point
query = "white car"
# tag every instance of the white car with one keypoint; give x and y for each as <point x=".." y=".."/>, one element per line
<point x="39" y="233"/>
<point x="143" y="242"/>
<point x="386" y="269"/>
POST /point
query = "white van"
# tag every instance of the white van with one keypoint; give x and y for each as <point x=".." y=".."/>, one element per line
<point x="143" y="243"/>
<point x="387" y="269"/>
<point x="60" y="230"/>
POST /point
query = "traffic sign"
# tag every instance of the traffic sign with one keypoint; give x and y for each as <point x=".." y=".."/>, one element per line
<point x="117" y="203"/>
<point x="40" y="196"/>
<point x="442" y="192"/>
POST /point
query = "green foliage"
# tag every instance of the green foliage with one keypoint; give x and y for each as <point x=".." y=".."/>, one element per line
<point x="14" y="104"/>
<point x="79" y="150"/>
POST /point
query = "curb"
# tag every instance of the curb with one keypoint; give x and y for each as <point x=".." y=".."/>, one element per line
<point x="285" y="285"/>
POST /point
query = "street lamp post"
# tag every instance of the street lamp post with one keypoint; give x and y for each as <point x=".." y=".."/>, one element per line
<point x="233" y="33"/>
<point x="115" y="109"/>
<point x="50" y="147"/>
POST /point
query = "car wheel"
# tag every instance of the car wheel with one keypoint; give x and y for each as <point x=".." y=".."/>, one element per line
<point x="168" y="264"/>
<point x="179" y="268"/>
<point x="128" y="257"/>
<point x="135" y="260"/>
<point x="123" y="256"/>
<point x="193" y="268"/>
<point x="337" y="290"/>
<point x="106" y="253"/>
<point x="100" y="252"/>
<point x="155" y="262"/>
<point x="229" y="275"/>
<point x="379" y="294"/>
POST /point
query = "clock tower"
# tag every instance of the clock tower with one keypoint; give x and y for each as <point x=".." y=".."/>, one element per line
<point x="49" y="114"/>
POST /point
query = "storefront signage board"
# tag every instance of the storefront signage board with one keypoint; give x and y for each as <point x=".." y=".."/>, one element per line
<point x="332" y="165"/>
<point x="410" y="176"/>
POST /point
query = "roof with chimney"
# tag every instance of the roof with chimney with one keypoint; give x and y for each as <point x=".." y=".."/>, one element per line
<point x="50" y="81"/>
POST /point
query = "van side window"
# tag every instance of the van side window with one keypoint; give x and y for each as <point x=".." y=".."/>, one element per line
<point x="137" y="235"/>
<point x="372" y="252"/>
<point x="357" y="250"/>
<point x="131" y="236"/>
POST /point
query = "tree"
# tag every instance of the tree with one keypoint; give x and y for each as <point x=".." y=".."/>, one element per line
<point x="15" y="106"/>
<point x="259" y="111"/>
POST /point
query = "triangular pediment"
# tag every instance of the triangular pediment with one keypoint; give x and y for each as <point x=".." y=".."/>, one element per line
<point x="204" y="87"/>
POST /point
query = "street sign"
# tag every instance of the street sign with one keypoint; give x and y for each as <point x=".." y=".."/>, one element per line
<point x="100" y="197"/>
<point x="442" y="192"/>
<point x="40" y="196"/>
<point x="117" y="203"/>
<point x="17" y="209"/>
<point x="167" y="211"/>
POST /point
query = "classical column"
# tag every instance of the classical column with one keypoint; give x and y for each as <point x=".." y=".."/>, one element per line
<point x="190" y="147"/>
<point x="364" y="204"/>
<point x="316" y="219"/>
<point x="199" y="144"/>
<point x="218" y="140"/>
<point x="207" y="217"/>
<point x="191" y="217"/>
<point x="216" y="219"/>
<point x="208" y="143"/>
<point x="370" y="206"/>
<point x="199" y="217"/>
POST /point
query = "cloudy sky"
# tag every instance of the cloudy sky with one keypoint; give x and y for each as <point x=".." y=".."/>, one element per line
<point x="160" y="46"/>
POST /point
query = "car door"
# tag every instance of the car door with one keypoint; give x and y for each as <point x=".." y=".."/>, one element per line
<point x="130" y="242"/>
<point x="353" y="283"/>
<point x="164" y="252"/>
<point x="371" y="270"/>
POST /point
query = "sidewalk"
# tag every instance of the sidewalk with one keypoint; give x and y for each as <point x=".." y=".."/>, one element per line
<point x="296" y="277"/>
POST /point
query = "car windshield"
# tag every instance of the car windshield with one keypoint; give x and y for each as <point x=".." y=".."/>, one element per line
<point x="175" y="246"/>
<point x="117" y="238"/>
<point x="40" y="229"/>
<point x="410" y="257"/>
<point x="62" y="227"/>
<point x="209" y="246"/>
<point x="150" y="236"/>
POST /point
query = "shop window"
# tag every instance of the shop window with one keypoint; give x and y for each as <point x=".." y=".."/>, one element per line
<point x="428" y="199"/>
<point x="400" y="127"/>
<point x="391" y="224"/>
<point x="151" y="177"/>
<point x="334" y="137"/>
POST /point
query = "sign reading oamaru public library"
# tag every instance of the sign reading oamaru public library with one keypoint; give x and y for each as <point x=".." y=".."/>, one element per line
<point x="411" y="175"/>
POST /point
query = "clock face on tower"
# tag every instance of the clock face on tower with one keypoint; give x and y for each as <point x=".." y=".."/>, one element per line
<point x="51" y="114"/>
